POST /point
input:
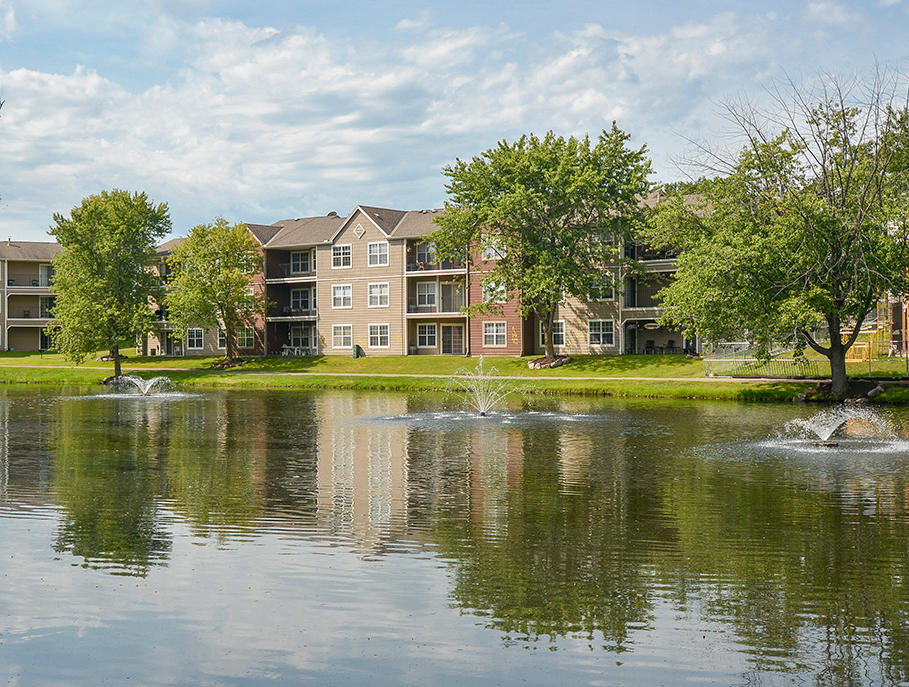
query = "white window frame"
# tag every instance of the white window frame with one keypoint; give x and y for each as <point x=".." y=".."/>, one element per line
<point x="493" y="248"/>
<point x="334" y="305"/>
<point x="369" y="337"/>
<point x="222" y="339"/>
<point x="369" y="254"/>
<point x="335" y="335"/>
<point x="494" y="291"/>
<point x="495" y="334"/>
<point x="309" y="298"/>
<point x="604" y="283"/>
<point x="246" y="334"/>
<point x="339" y="258"/>
<point x="300" y="254"/>
<point x="601" y="342"/>
<point x="190" y="333"/>
<point x="378" y="303"/>
<point x="426" y="252"/>
<point x="304" y="341"/>
<point x="555" y="335"/>
<point x="425" y="335"/>
<point x="435" y="294"/>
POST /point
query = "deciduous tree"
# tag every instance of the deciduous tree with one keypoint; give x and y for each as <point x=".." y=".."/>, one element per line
<point x="212" y="274"/>
<point x="102" y="276"/>
<point x="555" y="210"/>
<point x="805" y="231"/>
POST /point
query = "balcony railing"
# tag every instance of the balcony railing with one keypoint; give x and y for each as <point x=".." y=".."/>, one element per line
<point x="289" y="311"/>
<point x="639" y="252"/>
<point x="28" y="314"/>
<point x="421" y="266"/>
<point x="40" y="283"/>
<point x="283" y="271"/>
<point x="436" y="308"/>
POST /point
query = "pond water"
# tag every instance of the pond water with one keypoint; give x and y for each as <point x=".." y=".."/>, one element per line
<point x="363" y="538"/>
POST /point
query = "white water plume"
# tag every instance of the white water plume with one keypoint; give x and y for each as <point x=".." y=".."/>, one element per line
<point x="143" y="386"/>
<point x="850" y="420"/>
<point x="484" y="391"/>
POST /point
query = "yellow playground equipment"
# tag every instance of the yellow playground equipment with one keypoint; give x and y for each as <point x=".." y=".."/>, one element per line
<point x="873" y="343"/>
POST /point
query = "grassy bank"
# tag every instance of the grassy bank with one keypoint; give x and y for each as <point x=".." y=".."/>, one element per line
<point x="676" y="376"/>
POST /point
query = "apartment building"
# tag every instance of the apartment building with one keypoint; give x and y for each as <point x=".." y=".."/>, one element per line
<point x="25" y="275"/>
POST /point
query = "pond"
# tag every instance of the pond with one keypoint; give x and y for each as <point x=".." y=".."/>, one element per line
<point x="228" y="538"/>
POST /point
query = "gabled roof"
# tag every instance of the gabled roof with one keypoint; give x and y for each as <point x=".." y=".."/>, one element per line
<point x="167" y="247"/>
<point x="263" y="232"/>
<point x="28" y="250"/>
<point x="305" y="231"/>
<point x="417" y="223"/>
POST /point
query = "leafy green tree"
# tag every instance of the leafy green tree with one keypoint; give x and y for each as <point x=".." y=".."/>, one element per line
<point x="102" y="275"/>
<point x="803" y="234"/>
<point x="212" y="281"/>
<point x="554" y="209"/>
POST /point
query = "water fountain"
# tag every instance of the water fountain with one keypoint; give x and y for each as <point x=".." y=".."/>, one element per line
<point x="847" y="420"/>
<point x="484" y="390"/>
<point x="145" y="387"/>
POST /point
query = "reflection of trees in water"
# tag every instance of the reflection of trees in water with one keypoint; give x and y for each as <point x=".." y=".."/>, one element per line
<point x="597" y="527"/>
<point x="804" y="576"/>
<point x="106" y="480"/>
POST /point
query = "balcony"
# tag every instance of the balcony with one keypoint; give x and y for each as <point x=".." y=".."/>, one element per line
<point x="446" y="307"/>
<point x="21" y="285"/>
<point x="27" y="317"/>
<point x="440" y="266"/>
<point x="283" y="272"/>
<point x="288" y="313"/>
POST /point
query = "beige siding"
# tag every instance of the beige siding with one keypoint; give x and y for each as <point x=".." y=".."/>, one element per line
<point x="359" y="275"/>
<point x="24" y="338"/>
<point x="575" y="314"/>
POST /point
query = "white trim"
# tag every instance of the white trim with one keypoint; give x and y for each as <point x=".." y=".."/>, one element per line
<point x="252" y="333"/>
<point x="604" y="345"/>
<point x="349" y="246"/>
<point x="369" y="334"/>
<point x="387" y="286"/>
<point x="387" y="253"/>
<point x="220" y="333"/>
<point x="435" y="335"/>
<point x="335" y="326"/>
<point x="504" y="324"/>
<point x="435" y="293"/>
<point x="201" y="347"/>
<point x="350" y="217"/>
<point x="554" y="323"/>
<point x="341" y="307"/>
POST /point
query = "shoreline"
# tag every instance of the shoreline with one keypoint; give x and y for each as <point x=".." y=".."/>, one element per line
<point x="694" y="388"/>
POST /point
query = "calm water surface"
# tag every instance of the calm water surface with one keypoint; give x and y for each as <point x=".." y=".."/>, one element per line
<point x="353" y="538"/>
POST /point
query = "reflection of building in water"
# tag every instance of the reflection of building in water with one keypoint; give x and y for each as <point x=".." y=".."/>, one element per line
<point x="4" y="451"/>
<point x="496" y="460"/>
<point x="361" y="479"/>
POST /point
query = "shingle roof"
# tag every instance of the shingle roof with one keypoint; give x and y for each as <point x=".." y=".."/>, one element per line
<point x="263" y="232"/>
<point x="305" y="231"/>
<point x="417" y="223"/>
<point x="167" y="247"/>
<point x="386" y="218"/>
<point x="29" y="250"/>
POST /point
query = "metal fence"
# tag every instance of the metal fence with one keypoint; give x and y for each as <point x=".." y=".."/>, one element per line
<point x="775" y="367"/>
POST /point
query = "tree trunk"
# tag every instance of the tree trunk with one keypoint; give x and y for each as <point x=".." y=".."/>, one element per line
<point x="115" y="354"/>
<point x="546" y="319"/>
<point x="230" y="342"/>
<point x="839" y="383"/>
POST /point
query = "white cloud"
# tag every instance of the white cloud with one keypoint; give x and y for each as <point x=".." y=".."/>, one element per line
<point x="8" y="23"/>
<point x="831" y="13"/>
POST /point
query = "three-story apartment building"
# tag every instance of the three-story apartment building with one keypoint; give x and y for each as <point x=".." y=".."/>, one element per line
<point x="25" y="277"/>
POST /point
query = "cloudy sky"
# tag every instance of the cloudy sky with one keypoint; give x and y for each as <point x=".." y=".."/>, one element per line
<point x="264" y="110"/>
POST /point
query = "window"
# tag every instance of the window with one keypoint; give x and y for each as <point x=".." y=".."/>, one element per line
<point x="426" y="336"/>
<point x="494" y="248"/>
<point x="558" y="333"/>
<point x="246" y="338"/>
<point x="301" y="337"/>
<point x="378" y="336"/>
<point x="494" y="334"/>
<point x="601" y="289"/>
<point x="194" y="339"/>
<point x="378" y="254"/>
<point x="426" y="252"/>
<point x="494" y="292"/>
<point x="341" y="296"/>
<point x="342" y="336"/>
<point x="426" y="293"/>
<point x="340" y="256"/>
<point x="222" y="339"/>
<point x="300" y="299"/>
<point x="378" y="295"/>
<point x="299" y="263"/>
<point x="46" y="305"/>
<point x="600" y="333"/>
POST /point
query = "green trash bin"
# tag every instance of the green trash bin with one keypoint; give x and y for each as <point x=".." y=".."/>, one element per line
<point x="356" y="351"/>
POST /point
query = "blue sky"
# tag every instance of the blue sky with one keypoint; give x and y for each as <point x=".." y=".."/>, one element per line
<point x="260" y="111"/>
